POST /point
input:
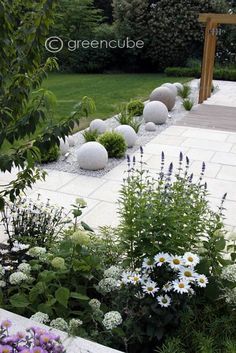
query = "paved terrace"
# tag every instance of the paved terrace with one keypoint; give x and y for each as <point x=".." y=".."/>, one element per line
<point x="212" y="144"/>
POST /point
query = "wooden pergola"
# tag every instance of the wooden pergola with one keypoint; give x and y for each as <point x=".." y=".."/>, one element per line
<point x="212" y="21"/>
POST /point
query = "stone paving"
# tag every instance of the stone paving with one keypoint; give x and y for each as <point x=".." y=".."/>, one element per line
<point x="216" y="148"/>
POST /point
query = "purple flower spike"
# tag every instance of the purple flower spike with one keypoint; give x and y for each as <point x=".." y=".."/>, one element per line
<point x="224" y="196"/>
<point x="187" y="160"/>
<point x="162" y="156"/>
<point x="134" y="160"/>
<point x="203" y="167"/>
<point x="191" y="178"/>
<point x="141" y="150"/>
<point x="181" y="157"/>
<point x="171" y="168"/>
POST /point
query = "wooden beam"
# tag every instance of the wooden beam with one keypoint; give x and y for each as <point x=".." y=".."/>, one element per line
<point x="205" y="64"/>
<point x="212" y="51"/>
<point x="217" y="18"/>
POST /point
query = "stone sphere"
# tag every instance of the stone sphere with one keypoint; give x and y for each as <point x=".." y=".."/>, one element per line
<point x="128" y="133"/>
<point x="178" y="85"/>
<point x="92" y="156"/>
<point x="71" y="140"/>
<point x="172" y="87"/>
<point x="98" y="125"/>
<point x="64" y="146"/>
<point x="155" y="112"/>
<point x="164" y="95"/>
<point x="150" y="126"/>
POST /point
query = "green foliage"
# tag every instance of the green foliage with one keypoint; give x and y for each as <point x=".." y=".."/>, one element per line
<point x="114" y="143"/>
<point x="90" y="135"/>
<point x="23" y="106"/>
<point x="171" y="345"/>
<point x="135" y="107"/>
<point x="188" y="104"/>
<point x="51" y="155"/>
<point x="185" y="92"/>
<point x="224" y="73"/>
<point x="125" y="118"/>
<point x="163" y="213"/>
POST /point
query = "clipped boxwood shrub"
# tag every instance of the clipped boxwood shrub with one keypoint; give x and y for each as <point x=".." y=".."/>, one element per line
<point x="114" y="143"/>
<point x="51" y="155"/>
<point x="135" y="107"/>
<point x="219" y="74"/>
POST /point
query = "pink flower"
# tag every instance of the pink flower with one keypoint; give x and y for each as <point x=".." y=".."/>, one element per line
<point x="6" y="324"/>
<point x="5" y="349"/>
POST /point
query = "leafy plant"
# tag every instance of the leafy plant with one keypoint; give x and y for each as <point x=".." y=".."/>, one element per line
<point x="125" y="118"/>
<point x="135" y="107"/>
<point x="185" y="92"/>
<point x="50" y="156"/>
<point x="114" y="143"/>
<point x="188" y="104"/>
<point x="90" y="135"/>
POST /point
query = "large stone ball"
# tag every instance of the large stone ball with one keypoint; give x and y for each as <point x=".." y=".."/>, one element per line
<point x="179" y="86"/>
<point x="64" y="146"/>
<point x="172" y="87"/>
<point x="156" y="112"/>
<point x="98" y="125"/>
<point x="128" y="133"/>
<point x="92" y="156"/>
<point x="164" y="95"/>
<point x="150" y="126"/>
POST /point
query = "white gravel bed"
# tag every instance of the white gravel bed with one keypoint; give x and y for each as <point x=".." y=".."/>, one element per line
<point x="71" y="165"/>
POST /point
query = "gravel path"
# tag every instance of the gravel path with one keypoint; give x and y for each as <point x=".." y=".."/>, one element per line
<point x="71" y="165"/>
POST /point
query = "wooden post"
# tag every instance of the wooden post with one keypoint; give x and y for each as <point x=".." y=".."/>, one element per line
<point x="205" y="63"/>
<point x="211" y="58"/>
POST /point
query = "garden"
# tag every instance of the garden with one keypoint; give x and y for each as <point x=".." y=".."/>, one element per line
<point x="164" y="279"/>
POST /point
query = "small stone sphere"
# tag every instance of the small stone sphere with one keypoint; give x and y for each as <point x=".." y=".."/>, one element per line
<point x="98" y="125"/>
<point x="150" y="126"/>
<point x="92" y="156"/>
<point x="64" y="146"/>
<point x="164" y="95"/>
<point x="179" y="86"/>
<point x="71" y="140"/>
<point x="172" y="87"/>
<point x="155" y="112"/>
<point x="128" y="133"/>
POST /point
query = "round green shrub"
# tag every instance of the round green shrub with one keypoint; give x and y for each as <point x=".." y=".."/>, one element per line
<point x="135" y="107"/>
<point x="51" y="155"/>
<point x="114" y="143"/>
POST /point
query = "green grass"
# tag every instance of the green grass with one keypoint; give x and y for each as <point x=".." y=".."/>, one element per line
<point x="109" y="91"/>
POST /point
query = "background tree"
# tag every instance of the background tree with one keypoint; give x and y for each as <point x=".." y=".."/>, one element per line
<point x="23" y="29"/>
<point x="106" y="6"/>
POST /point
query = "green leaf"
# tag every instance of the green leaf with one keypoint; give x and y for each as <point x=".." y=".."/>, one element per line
<point x="220" y="244"/>
<point x="19" y="301"/>
<point x="62" y="295"/>
<point x="79" y="296"/>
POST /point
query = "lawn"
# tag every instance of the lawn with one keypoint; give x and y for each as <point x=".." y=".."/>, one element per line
<point x="107" y="90"/>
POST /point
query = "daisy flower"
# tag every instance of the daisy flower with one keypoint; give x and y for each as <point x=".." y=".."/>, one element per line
<point x="202" y="281"/>
<point x="167" y="287"/>
<point x="164" y="300"/>
<point x="150" y="288"/>
<point x="175" y="262"/>
<point x="181" y="286"/>
<point x="135" y="278"/>
<point x="187" y="273"/>
<point x="148" y="264"/>
<point x="190" y="259"/>
<point x="161" y="258"/>
<point x="126" y="277"/>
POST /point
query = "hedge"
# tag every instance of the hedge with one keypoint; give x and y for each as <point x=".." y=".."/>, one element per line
<point x="219" y="74"/>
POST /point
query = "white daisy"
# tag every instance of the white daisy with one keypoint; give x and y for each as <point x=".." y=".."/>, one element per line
<point x="191" y="259"/>
<point x="175" y="262"/>
<point x="202" y="281"/>
<point x="167" y="287"/>
<point x="148" y="264"/>
<point x="135" y="278"/>
<point x="126" y="277"/>
<point x="150" y="287"/>
<point x="164" y="300"/>
<point x="187" y="274"/>
<point x="161" y="258"/>
<point x="181" y="286"/>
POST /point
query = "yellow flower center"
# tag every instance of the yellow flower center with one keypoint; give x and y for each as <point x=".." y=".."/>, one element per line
<point x="188" y="274"/>
<point x="150" y="289"/>
<point x="164" y="301"/>
<point x="181" y="285"/>
<point x="162" y="259"/>
<point x="136" y="279"/>
<point x="202" y="280"/>
<point x="190" y="259"/>
<point x="176" y="261"/>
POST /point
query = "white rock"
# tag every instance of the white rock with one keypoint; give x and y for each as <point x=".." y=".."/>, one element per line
<point x="64" y="146"/>
<point x="178" y="85"/>
<point x="128" y="133"/>
<point x="92" y="156"/>
<point x="71" y="140"/>
<point x="150" y="126"/>
<point x="155" y="112"/>
<point x="98" y="125"/>
<point x="164" y="95"/>
<point x="172" y="87"/>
